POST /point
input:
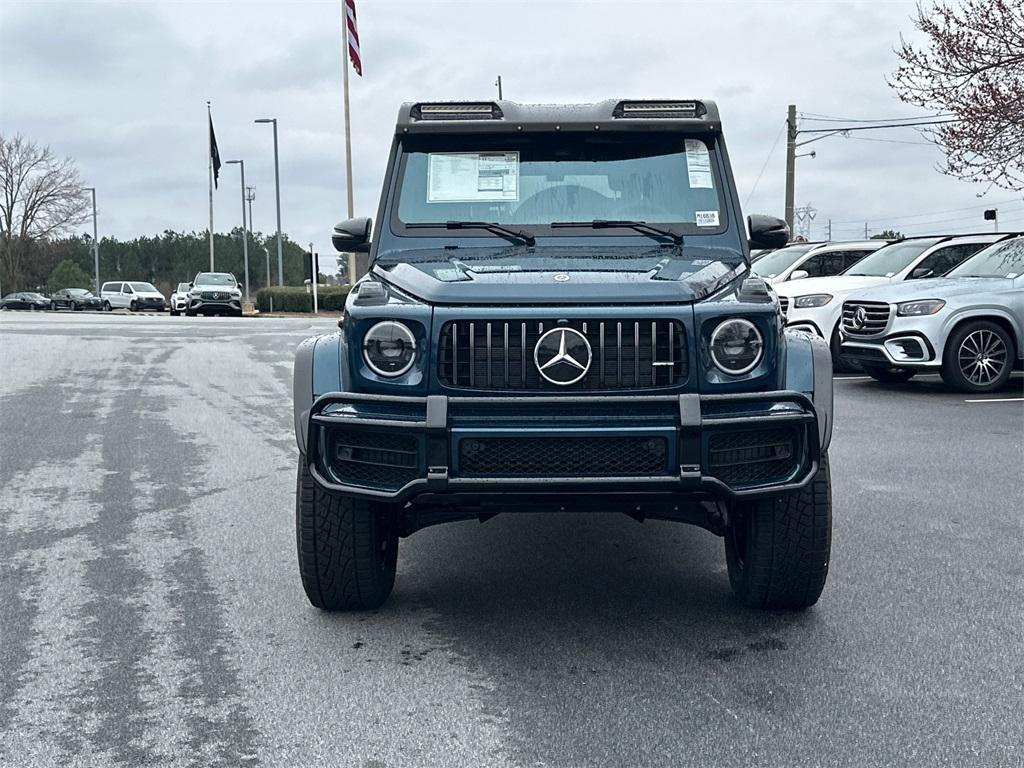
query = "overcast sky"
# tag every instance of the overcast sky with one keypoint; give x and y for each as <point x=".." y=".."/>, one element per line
<point x="122" y="88"/>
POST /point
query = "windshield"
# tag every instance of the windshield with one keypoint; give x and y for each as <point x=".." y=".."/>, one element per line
<point x="1000" y="260"/>
<point x="35" y="296"/>
<point x="182" y="288"/>
<point x="79" y="292"/>
<point x="779" y="261"/>
<point x="214" y="278"/>
<point x="540" y="179"/>
<point x="144" y="287"/>
<point x="887" y="261"/>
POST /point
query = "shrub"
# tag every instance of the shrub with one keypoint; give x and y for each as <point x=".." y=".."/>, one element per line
<point x="67" y="274"/>
<point x="290" y="298"/>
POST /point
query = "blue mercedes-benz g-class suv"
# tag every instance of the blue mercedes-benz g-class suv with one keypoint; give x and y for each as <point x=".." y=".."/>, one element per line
<point x="559" y="315"/>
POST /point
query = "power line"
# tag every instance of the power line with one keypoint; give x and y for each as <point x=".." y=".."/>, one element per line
<point x="766" y="160"/>
<point x="891" y="141"/>
<point x="989" y="204"/>
<point x="814" y="117"/>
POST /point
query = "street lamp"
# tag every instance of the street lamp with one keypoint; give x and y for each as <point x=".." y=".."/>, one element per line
<point x="245" y="233"/>
<point x="277" y="192"/>
<point x="95" y="240"/>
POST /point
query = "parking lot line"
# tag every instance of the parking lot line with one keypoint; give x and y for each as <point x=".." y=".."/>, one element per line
<point x="849" y="378"/>
<point x="997" y="400"/>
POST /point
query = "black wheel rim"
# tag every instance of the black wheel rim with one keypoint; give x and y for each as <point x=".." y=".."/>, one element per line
<point x="982" y="357"/>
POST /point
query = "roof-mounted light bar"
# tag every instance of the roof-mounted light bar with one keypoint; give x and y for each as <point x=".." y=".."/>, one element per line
<point x="457" y="111"/>
<point x="655" y="109"/>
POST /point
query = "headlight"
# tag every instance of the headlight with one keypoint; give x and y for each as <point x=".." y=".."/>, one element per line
<point x="812" y="300"/>
<point x="917" y="308"/>
<point x="736" y="346"/>
<point x="389" y="348"/>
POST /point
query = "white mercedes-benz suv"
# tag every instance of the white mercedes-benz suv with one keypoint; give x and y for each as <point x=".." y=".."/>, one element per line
<point x="815" y="303"/>
<point x="967" y="326"/>
<point x="803" y="260"/>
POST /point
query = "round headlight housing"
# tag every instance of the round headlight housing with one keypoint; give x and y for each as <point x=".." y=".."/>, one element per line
<point x="736" y="346"/>
<point x="389" y="348"/>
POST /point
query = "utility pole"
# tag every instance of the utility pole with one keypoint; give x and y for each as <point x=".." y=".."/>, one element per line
<point x="277" y="195"/>
<point x="95" y="241"/>
<point x="790" y="164"/>
<point x="865" y="230"/>
<point x="314" y="268"/>
<point x="830" y="230"/>
<point x="245" y="231"/>
<point x="498" y="83"/>
<point x="350" y="257"/>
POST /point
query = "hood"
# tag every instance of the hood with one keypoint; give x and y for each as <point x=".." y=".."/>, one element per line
<point x="934" y="288"/>
<point x="836" y="285"/>
<point x="676" y="274"/>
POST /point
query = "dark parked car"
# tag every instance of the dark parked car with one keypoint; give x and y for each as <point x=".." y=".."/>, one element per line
<point x="24" y="300"/>
<point x="559" y="315"/>
<point x="74" y="299"/>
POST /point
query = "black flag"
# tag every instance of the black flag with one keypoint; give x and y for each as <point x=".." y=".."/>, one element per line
<point x="214" y="154"/>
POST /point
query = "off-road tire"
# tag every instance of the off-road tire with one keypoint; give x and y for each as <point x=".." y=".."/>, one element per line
<point x="347" y="547"/>
<point x="887" y="375"/>
<point x="777" y="549"/>
<point x="951" y="371"/>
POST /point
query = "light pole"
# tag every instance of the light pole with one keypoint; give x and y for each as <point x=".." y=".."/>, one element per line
<point x="245" y="232"/>
<point x="250" y="195"/>
<point x="95" y="240"/>
<point x="277" y="192"/>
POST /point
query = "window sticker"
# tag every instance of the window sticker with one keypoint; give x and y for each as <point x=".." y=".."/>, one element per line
<point x="698" y="163"/>
<point x="707" y="218"/>
<point x="458" y="177"/>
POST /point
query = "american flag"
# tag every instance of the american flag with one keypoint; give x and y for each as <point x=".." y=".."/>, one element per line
<point x="353" y="37"/>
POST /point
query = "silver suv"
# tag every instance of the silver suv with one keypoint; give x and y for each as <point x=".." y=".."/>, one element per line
<point x="968" y="325"/>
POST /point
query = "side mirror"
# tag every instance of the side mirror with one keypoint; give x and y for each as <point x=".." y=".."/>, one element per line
<point x="766" y="231"/>
<point x="920" y="272"/>
<point x="798" y="274"/>
<point x="352" y="235"/>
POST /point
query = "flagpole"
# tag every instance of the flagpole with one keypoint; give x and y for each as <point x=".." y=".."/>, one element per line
<point x="209" y="159"/>
<point x="348" y="135"/>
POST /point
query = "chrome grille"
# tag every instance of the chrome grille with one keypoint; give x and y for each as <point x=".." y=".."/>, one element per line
<point x="498" y="354"/>
<point x="876" y="318"/>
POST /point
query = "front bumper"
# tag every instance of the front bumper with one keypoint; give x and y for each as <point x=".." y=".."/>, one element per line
<point x="724" y="446"/>
<point x="200" y="305"/>
<point x="914" y="343"/>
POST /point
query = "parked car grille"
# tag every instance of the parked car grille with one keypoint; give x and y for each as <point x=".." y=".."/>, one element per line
<point x="499" y="354"/>
<point x="784" y="305"/>
<point x="876" y="318"/>
<point x="562" y="456"/>
<point x="753" y="457"/>
<point x="374" y="458"/>
<point x="214" y="296"/>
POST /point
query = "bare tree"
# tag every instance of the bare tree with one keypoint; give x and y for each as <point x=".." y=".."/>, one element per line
<point x="40" y="196"/>
<point x="972" y="67"/>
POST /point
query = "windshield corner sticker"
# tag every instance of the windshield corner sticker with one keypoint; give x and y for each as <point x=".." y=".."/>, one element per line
<point x="707" y="218"/>
<point x="698" y="164"/>
<point x="477" y="177"/>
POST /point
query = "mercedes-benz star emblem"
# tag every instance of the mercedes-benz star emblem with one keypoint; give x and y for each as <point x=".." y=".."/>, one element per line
<point x="860" y="317"/>
<point x="562" y="356"/>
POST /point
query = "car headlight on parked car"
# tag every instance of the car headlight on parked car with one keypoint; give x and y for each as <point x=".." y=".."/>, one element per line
<point x="918" y="308"/>
<point x="736" y="346"/>
<point x="389" y="348"/>
<point x="812" y="300"/>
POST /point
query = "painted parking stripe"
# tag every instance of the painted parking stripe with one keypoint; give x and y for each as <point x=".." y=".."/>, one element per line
<point x="997" y="400"/>
<point x="849" y="378"/>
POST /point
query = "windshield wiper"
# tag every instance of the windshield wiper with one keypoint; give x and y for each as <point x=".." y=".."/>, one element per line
<point x="513" y="235"/>
<point x="640" y="226"/>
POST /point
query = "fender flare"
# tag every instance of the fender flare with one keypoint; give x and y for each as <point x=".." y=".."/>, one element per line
<point x="809" y="370"/>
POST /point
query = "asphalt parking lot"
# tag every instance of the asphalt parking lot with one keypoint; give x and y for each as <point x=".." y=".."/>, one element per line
<point x="151" y="612"/>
